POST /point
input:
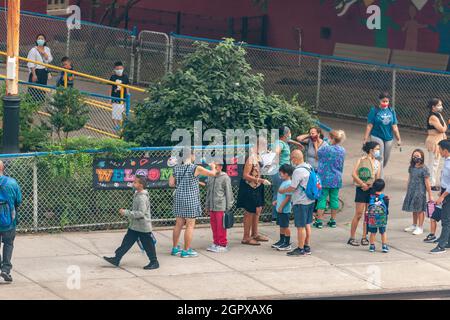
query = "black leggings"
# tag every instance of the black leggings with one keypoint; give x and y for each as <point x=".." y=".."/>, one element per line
<point x="42" y="78"/>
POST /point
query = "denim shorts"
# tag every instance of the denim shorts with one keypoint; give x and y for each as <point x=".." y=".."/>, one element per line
<point x="283" y="220"/>
<point x="303" y="215"/>
<point x="382" y="230"/>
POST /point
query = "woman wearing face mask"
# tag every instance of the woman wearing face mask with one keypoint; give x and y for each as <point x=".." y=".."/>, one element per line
<point x="366" y="171"/>
<point x="314" y="142"/>
<point x="381" y="127"/>
<point x="38" y="73"/>
<point x="436" y="128"/>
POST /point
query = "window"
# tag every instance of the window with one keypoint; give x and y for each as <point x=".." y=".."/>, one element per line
<point x="57" y="5"/>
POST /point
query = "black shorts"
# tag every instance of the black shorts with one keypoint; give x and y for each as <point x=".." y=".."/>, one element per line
<point x="436" y="216"/>
<point x="362" y="196"/>
<point x="250" y="198"/>
<point x="283" y="220"/>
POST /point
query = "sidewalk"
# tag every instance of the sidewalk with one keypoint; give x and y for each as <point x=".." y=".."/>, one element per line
<point x="44" y="264"/>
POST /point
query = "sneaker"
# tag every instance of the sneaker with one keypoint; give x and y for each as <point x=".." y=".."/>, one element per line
<point x="176" y="251"/>
<point x="307" y="250"/>
<point x="418" y="231"/>
<point x="285" y="247"/>
<point x="430" y="238"/>
<point x="411" y="228"/>
<point x="190" y="253"/>
<point x="297" y="252"/>
<point x="152" y="265"/>
<point x="212" y="248"/>
<point x="332" y="223"/>
<point x="112" y="260"/>
<point x="365" y="242"/>
<point x="278" y="244"/>
<point x="6" y="276"/>
<point x="438" y="250"/>
<point x="372" y="248"/>
<point x="385" y="248"/>
<point x="222" y="249"/>
<point x="318" y="224"/>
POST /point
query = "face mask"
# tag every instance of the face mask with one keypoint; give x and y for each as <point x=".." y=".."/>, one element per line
<point x="440" y="109"/>
<point x="119" y="72"/>
<point x="377" y="154"/>
<point x="417" y="160"/>
<point x="40" y="42"/>
<point x="314" y="138"/>
<point x="384" y="105"/>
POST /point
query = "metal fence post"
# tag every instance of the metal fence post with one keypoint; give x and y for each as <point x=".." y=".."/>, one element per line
<point x="68" y="42"/>
<point x="35" y="196"/>
<point x="394" y="86"/>
<point x="133" y="55"/>
<point x="170" y="53"/>
<point x="319" y="81"/>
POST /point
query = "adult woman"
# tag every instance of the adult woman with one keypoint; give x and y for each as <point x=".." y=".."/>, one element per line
<point x="381" y="128"/>
<point x="283" y="152"/>
<point x="314" y="141"/>
<point x="331" y="167"/>
<point x="366" y="171"/>
<point x="186" y="204"/>
<point x="251" y="195"/>
<point x="38" y="73"/>
<point x="436" y="128"/>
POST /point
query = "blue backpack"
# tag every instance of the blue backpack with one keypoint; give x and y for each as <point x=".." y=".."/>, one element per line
<point x="6" y="214"/>
<point x="314" y="186"/>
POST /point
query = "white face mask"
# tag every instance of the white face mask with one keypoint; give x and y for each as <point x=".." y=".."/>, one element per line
<point x="118" y="72"/>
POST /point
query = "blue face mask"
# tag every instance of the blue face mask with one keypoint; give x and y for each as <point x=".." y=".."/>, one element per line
<point x="40" y="42"/>
<point x="377" y="154"/>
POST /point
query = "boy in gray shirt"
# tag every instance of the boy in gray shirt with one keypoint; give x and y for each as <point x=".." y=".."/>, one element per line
<point x="140" y="227"/>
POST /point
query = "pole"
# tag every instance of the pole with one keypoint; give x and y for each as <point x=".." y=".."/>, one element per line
<point x="11" y="101"/>
<point x="319" y="83"/>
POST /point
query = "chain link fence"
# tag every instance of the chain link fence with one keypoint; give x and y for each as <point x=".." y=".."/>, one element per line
<point x="152" y="57"/>
<point x="59" y="194"/>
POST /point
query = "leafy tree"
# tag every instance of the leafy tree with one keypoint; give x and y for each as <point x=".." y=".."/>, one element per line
<point x="68" y="112"/>
<point x="214" y="85"/>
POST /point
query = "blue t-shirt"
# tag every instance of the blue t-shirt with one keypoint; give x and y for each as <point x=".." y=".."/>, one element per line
<point x="382" y="121"/>
<point x="280" y="197"/>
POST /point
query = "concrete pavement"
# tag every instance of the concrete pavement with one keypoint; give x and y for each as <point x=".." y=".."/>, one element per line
<point x="47" y="266"/>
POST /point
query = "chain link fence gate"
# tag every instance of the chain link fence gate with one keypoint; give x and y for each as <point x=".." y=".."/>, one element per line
<point x="59" y="194"/>
<point x="152" y="57"/>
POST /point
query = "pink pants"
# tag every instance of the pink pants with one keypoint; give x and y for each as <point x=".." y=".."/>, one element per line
<point x="218" y="231"/>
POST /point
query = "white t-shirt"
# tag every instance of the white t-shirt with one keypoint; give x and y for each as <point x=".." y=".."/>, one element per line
<point x="300" y="179"/>
<point x="34" y="54"/>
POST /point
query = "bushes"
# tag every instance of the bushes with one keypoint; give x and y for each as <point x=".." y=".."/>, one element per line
<point x="215" y="85"/>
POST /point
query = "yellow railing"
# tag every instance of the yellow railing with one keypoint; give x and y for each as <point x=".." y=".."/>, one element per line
<point x="80" y="74"/>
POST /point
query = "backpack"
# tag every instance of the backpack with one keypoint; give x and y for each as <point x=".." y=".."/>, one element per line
<point x="377" y="212"/>
<point x="366" y="171"/>
<point x="6" y="214"/>
<point x="314" y="186"/>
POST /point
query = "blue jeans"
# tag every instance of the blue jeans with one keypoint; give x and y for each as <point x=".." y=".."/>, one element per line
<point x="7" y="239"/>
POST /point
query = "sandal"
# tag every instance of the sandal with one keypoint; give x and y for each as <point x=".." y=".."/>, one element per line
<point x="353" y="242"/>
<point x="364" y="242"/>
<point x="251" y="242"/>
<point x="261" y="238"/>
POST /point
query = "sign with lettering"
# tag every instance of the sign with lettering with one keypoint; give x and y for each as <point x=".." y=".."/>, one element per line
<point x="114" y="174"/>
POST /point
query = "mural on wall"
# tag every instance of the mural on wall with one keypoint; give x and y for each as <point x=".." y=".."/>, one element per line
<point x="410" y="28"/>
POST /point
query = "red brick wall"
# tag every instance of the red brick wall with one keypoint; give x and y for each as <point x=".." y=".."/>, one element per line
<point x="34" y="5"/>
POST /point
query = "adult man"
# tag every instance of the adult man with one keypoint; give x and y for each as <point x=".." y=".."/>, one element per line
<point x="11" y="198"/>
<point x="303" y="206"/>
<point x="444" y="149"/>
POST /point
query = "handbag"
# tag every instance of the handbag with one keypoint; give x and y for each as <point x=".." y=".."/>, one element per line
<point x="228" y="219"/>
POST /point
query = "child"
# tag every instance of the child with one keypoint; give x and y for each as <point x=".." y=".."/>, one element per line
<point x="140" y="226"/>
<point x="219" y="198"/>
<point x="66" y="63"/>
<point x="377" y="213"/>
<point x="283" y="208"/>
<point x="418" y="188"/>
<point x="118" y="107"/>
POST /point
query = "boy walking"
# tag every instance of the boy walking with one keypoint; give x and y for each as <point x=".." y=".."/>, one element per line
<point x="443" y="200"/>
<point x="303" y="206"/>
<point x="283" y="207"/>
<point x="118" y="107"/>
<point x="377" y="215"/>
<point x="140" y="226"/>
<point x="219" y="198"/>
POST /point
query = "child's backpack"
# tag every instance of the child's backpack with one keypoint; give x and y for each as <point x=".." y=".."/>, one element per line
<point x="6" y="213"/>
<point x="377" y="212"/>
<point x="314" y="186"/>
<point x="366" y="171"/>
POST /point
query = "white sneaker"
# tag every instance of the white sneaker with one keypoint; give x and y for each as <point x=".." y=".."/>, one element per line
<point x="222" y="249"/>
<point x="410" y="228"/>
<point x="418" y="231"/>
<point x="212" y="248"/>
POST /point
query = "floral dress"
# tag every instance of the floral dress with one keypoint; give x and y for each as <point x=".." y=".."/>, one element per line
<point x="331" y="166"/>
